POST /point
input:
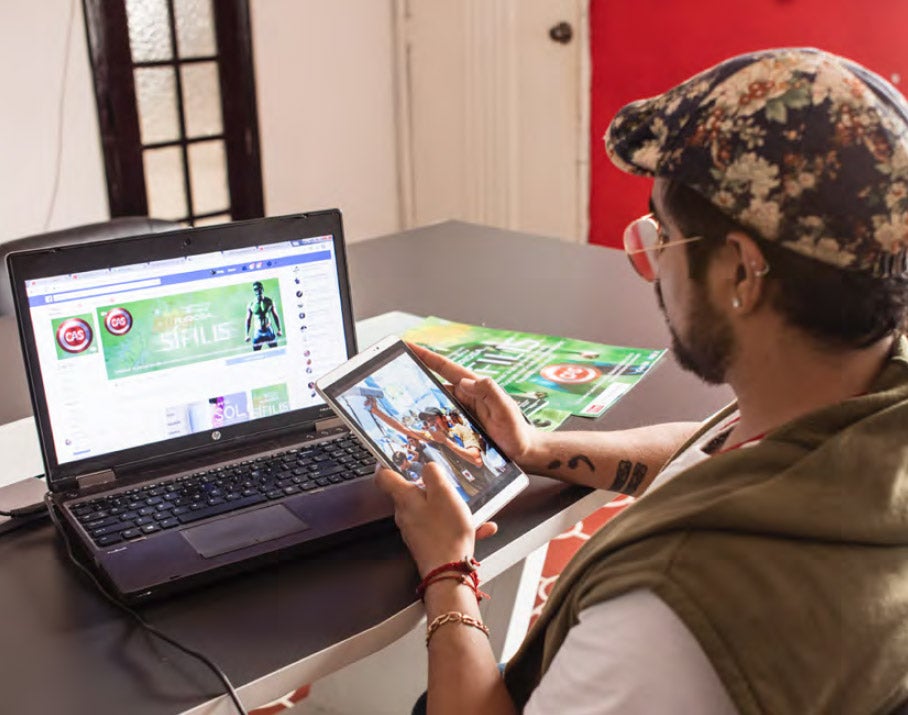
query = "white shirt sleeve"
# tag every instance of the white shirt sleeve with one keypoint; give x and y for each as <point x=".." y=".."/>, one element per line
<point x="630" y="655"/>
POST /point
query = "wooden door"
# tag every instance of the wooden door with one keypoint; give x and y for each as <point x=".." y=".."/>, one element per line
<point x="492" y="113"/>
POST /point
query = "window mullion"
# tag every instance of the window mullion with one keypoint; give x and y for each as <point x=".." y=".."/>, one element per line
<point x="181" y="116"/>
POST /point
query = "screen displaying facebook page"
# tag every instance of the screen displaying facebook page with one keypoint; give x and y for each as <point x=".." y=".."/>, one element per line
<point x="137" y="354"/>
<point x="412" y="421"/>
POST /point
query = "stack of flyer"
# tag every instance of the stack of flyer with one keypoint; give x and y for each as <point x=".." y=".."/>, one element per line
<point x="551" y="378"/>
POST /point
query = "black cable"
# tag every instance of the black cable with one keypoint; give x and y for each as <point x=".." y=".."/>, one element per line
<point x="58" y="163"/>
<point x="153" y="630"/>
<point x="21" y="512"/>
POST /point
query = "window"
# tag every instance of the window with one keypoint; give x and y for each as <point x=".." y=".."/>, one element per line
<point x="176" y="107"/>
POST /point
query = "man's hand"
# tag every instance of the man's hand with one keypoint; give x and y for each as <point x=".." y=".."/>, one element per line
<point x="433" y="520"/>
<point x="438" y="434"/>
<point x="498" y="413"/>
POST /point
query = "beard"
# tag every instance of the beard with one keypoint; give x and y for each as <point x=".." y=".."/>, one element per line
<point x="709" y="346"/>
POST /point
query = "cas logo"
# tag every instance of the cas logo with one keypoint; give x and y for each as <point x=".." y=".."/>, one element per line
<point x="216" y="435"/>
<point x="118" y="321"/>
<point x="74" y="335"/>
<point x="570" y="374"/>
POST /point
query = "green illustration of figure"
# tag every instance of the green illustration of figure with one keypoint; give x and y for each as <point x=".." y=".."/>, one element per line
<point x="262" y="309"/>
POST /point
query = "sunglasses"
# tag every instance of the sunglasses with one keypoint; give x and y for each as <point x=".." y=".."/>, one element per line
<point x="644" y="239"/>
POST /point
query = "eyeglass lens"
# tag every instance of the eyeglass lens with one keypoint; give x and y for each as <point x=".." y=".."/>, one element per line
<point x="641" y="239"/>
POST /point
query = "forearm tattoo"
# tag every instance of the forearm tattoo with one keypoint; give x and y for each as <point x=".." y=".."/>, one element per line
<point x="636" y="477"/>
<point x="624" y="471"/>
<point x="628" y="477"/>
<point x="573" y="462"/>
<point x="577" y="459"/>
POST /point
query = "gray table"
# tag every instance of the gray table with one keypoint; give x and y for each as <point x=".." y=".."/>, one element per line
<point x="65" y="650"/>
<point x="505" y="279"/>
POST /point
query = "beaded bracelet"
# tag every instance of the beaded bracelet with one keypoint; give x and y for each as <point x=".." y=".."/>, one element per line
<point x="454" y="617"/>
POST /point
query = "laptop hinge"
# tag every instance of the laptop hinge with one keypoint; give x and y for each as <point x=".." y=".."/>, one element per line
<point x="105" y="476"/>
<point x="329" y="423"/>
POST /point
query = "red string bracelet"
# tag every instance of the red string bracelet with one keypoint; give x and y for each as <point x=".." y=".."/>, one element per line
<point x="462" y="579"/>
<point x="466" y="566"/>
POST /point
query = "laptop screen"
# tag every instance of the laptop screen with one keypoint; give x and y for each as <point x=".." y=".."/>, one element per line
<point x="141" y="353"/>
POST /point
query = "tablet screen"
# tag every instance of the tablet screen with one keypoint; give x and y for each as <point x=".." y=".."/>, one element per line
<point x="403" y="412"/>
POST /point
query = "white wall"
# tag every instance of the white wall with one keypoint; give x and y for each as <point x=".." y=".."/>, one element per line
<point x="32" y="42"/>
<point x="324" y="80"/>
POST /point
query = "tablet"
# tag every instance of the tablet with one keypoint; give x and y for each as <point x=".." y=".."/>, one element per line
<point x="401" y="411"/>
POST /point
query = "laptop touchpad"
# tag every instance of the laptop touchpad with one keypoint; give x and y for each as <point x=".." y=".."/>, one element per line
<point x="241" y="530"/>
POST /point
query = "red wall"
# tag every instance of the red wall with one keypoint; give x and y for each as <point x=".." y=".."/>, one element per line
<point x="640" y="48"/>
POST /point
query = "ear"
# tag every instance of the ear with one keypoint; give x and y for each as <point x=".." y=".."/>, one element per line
<point x="748" y="269"/>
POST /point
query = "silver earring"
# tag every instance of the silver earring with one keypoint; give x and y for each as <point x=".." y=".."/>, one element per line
<point x="760" y="273"/>
<point x="736" y="302"/>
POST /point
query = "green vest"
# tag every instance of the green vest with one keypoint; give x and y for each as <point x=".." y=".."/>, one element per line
<point x="787" y="561"/>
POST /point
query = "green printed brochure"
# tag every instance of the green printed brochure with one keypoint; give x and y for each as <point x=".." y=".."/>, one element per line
<point x="551" y="378"/>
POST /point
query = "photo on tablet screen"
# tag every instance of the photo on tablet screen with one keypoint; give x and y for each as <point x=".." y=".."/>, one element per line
<point x="411" y="420"/>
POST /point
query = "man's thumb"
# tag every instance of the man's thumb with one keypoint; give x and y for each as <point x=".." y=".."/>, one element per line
<point x="435" y="479"/>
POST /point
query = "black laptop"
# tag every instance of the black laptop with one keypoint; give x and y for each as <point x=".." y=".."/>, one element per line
<point x="173" y="381"/>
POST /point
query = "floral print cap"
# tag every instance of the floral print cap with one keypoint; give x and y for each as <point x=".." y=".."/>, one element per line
<point x="798" y="145"/>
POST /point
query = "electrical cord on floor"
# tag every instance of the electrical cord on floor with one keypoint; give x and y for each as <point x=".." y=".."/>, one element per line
<point x="221" y="675"/>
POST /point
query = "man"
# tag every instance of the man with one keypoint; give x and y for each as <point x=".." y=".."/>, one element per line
<point x="461" y="433"/>
<point x="461" y="448"/>
<point x="410" y="467"/>
<point x="262" y="309"/>
<point x="765" y="570"/>
<point x="463" y="464"/>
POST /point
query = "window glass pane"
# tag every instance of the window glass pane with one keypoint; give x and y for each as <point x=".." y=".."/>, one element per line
<point x="164" y="183"/>
<point x="201" y="99"/>
<point x="156" y="99"/>
<point x="208" y="175"/>
<point x="195" y="28"/>
<point x="211" y="220"/>
<point x="149" y="30"/>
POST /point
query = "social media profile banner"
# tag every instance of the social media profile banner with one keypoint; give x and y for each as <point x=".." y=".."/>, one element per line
<point x="181" y="329"/>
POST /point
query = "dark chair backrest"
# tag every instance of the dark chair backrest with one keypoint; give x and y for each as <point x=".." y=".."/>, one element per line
<point x="106" y="230"/>
<point x="15" y="402"/>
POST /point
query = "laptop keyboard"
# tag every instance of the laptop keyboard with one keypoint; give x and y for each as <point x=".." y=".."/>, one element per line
<point x="159" y="506"/>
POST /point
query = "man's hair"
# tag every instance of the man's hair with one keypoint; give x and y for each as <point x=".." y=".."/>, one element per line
<point x="258" y="284"/>
<point x="431" y="413"/>
<point x="837" y="307"/>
